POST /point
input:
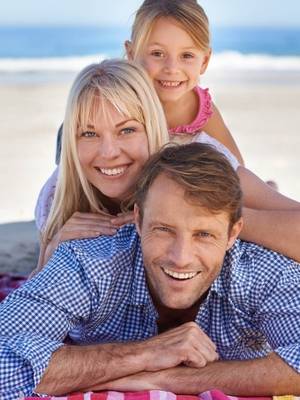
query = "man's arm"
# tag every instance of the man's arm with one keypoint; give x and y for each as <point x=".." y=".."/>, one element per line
<point x="265" y="376"/>
<point x="81" y="368"/>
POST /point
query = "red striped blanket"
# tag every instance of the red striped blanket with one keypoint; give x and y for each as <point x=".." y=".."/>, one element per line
<point x="150" y="395"/>
<point x="8" y="283"/>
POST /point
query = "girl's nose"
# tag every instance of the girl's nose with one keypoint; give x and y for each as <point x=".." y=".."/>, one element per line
<point x="171" y="65"/>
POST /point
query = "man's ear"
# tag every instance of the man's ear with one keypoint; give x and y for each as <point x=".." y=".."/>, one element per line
<point x="205" y="62"/>
<point x="234" y="233"/>
<point x="137" y="219"/>
<point x="128" y="49"/>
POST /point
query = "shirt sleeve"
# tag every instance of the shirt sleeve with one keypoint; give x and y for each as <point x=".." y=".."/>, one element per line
<point x="202" y="137"/>
<point x="36" y="319"/>
<point x="279" y="312"/>
<point x="45" y="200"/>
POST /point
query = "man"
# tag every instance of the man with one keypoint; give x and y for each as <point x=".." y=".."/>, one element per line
<point x="202" y="311"/>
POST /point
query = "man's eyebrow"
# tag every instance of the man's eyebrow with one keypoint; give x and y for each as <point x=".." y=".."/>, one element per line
<point x="160" y="222"/>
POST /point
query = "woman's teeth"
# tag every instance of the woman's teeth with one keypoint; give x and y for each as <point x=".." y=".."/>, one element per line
<point x="112" y="171"/>
<point x="181" y="276"/>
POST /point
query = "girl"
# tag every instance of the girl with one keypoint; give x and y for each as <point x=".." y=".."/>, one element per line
<point x="171" y="39"/>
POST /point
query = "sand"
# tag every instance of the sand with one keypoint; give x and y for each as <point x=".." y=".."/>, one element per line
<point x="262" y="112"/>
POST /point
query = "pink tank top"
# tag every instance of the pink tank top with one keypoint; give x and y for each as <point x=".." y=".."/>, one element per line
<point x="204" y="113"/>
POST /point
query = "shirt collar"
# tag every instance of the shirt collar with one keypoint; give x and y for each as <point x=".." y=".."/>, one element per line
<point x="231" y="259"/>
<point x="140" y="291"/>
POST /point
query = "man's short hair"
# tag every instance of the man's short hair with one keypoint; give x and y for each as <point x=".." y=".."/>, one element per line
<point x="206" y="176"/>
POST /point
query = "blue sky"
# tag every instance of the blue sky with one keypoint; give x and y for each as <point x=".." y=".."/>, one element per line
<point x="96" y="12"/>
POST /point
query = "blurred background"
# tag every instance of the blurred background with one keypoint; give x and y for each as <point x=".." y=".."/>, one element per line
<point x="254" y="78"/>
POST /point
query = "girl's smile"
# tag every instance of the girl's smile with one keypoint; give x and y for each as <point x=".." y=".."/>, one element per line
<point x="172" y="60"/>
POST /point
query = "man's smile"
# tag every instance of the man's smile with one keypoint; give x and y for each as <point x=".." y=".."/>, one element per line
<point x="179" y="275"/>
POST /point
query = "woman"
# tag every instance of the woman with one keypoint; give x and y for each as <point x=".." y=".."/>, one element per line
<point x="113" y="122"/>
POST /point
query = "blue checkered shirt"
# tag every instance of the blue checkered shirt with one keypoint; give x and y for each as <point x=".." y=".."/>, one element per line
<point x="95" y="291"/>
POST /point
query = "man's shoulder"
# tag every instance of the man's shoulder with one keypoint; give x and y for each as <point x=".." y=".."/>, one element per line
<point x="108" y="252"/>
<point x="251" y="270"/>
<point x="258" y="256"/>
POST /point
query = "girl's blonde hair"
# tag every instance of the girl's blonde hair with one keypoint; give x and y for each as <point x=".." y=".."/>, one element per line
<point x="127" y="87"/>
<point x="187" y="13"/>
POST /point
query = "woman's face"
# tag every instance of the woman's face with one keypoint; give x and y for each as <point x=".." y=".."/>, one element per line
<point x="112" y="149"/>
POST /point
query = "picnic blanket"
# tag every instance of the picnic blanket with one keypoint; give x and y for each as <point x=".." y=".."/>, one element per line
<point x="157" y="395"/>
<point x="8" y="283"/>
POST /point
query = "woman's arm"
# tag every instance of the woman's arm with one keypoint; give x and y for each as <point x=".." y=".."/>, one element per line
<point x="216" y="128"/>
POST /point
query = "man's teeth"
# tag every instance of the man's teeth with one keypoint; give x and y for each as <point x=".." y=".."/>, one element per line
<point x="112" y="171"/>
<point x="177" y="275"/>
<point x="170" y="83"/>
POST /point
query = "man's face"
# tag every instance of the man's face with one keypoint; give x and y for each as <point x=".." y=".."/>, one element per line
<point x="183" y="245"/>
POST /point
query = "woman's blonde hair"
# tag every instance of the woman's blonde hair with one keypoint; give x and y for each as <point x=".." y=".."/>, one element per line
<point x="187" y="13"/>
<point x="127" y="87"/>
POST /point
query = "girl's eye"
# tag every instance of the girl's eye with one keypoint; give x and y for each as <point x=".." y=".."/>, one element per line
<point x="157" y="53"/>
<point x="88" y="134"/>
<point x="127" y="131"/>
<point x="188" y="55"/>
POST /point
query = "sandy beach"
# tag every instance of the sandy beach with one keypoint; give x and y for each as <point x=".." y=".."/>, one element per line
<point x="262" y="113"/>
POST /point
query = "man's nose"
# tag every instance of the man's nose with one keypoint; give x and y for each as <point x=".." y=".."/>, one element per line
<point x="181" y="252"/>
<point x="109" y="147"/>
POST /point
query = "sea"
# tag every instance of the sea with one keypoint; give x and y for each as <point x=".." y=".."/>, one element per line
<point x="33" y="53"/>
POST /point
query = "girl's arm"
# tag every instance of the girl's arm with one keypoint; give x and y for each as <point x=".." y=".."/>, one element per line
<point x="271" y="219"/>
<point x="216" y="128"/>
<point x="278" y="230"/>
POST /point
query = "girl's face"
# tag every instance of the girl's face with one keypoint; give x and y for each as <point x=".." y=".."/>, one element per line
<point x="172" y="60"/>
<point x="112" y="149"/>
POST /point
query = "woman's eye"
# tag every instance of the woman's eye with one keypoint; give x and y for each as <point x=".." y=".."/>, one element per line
<point x="127" y="131"/>
<point x="88" y="134"/>
<point x="157" y="53"/>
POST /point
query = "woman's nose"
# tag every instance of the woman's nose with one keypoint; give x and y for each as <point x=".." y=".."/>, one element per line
<point x="109" y="147"/>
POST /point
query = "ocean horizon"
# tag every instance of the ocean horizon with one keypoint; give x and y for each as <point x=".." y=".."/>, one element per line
<point x="32" y="51"/>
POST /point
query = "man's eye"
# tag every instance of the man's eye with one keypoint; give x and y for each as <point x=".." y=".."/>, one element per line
<point x="204" y="235"/>
<point x="88" y="134"/>
<point x="162" y="229"/>
<point x="127" y="131"/>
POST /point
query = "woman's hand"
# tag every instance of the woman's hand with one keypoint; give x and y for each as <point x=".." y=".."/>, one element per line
<point x="82" y="226"/>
